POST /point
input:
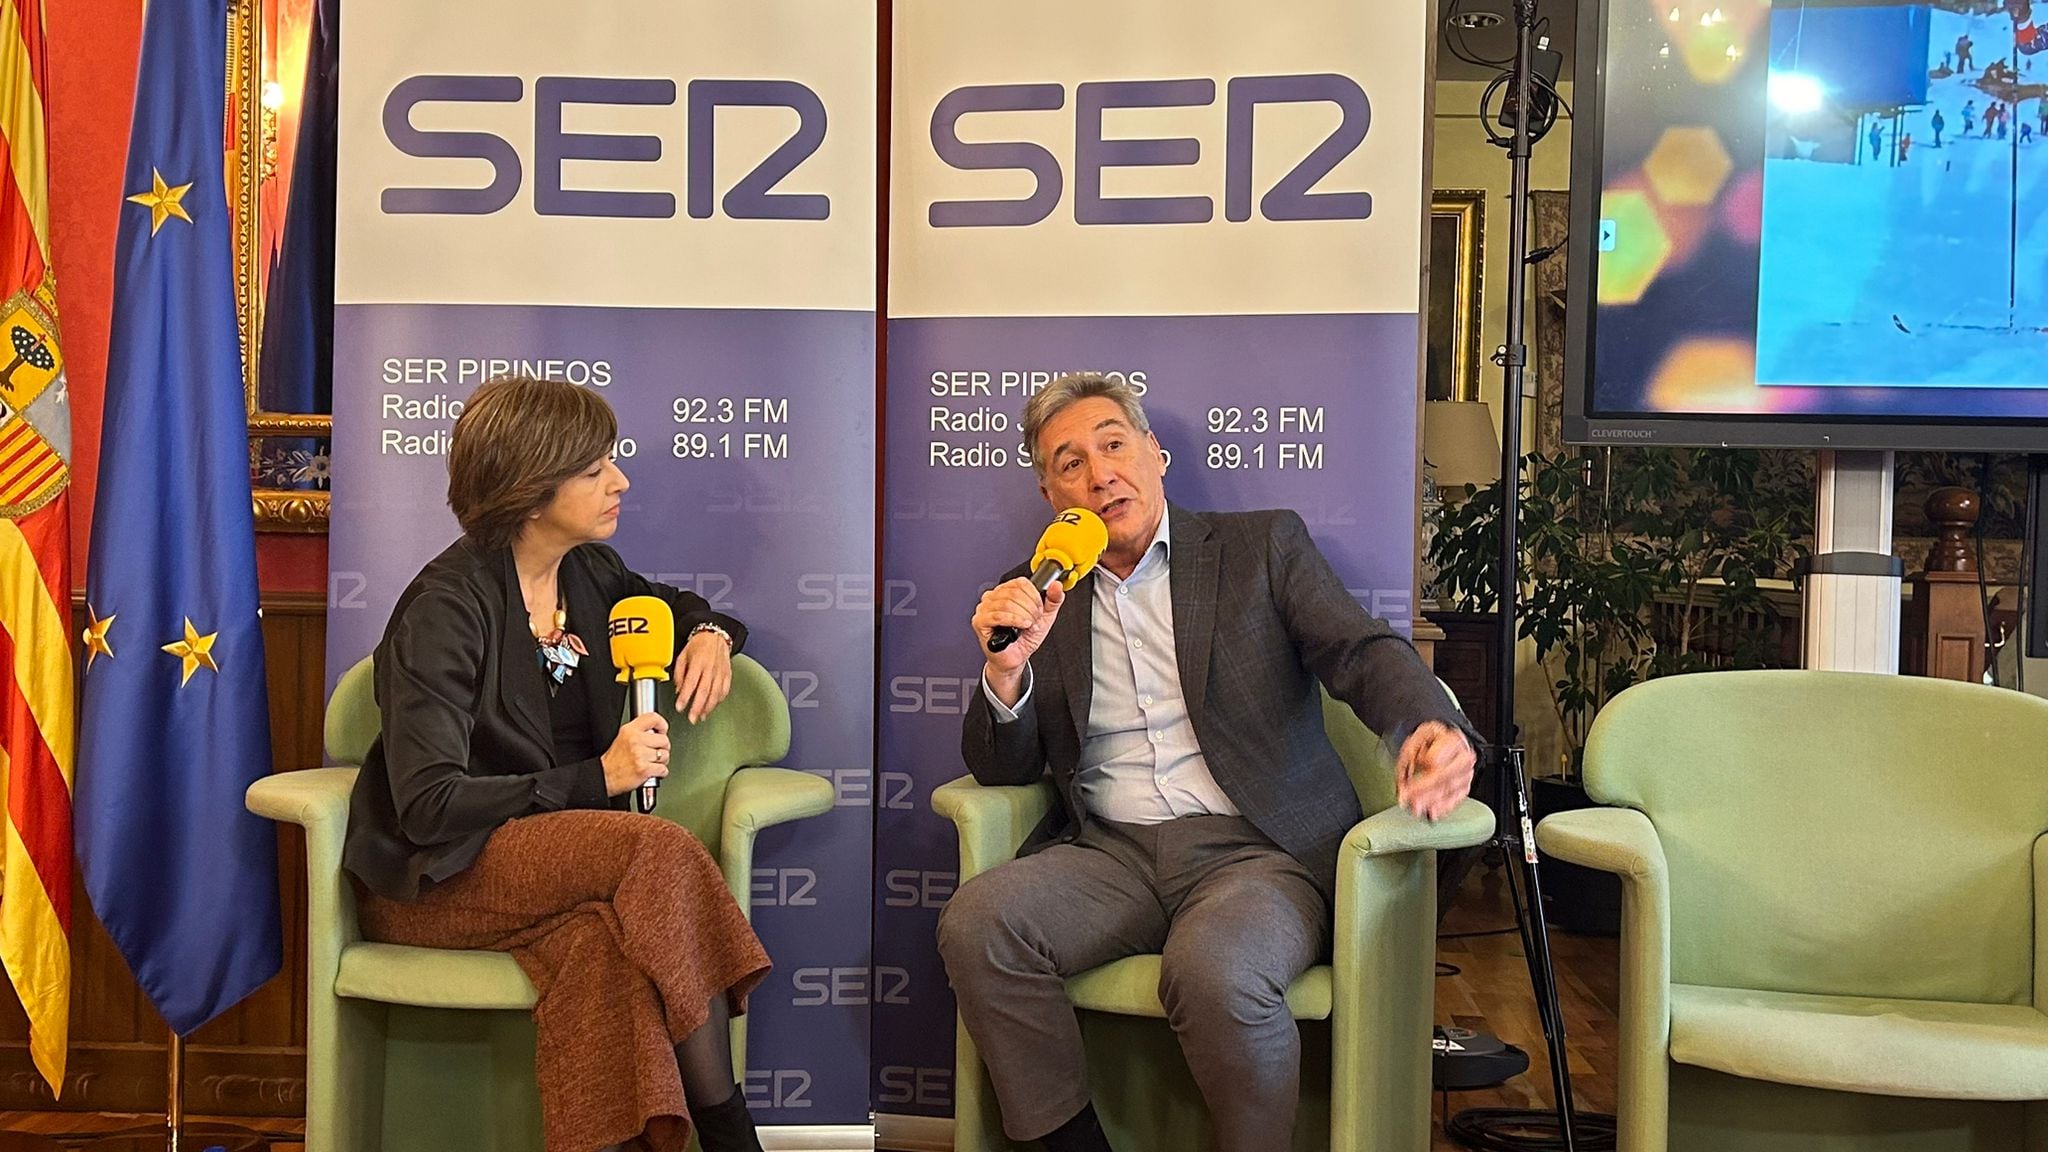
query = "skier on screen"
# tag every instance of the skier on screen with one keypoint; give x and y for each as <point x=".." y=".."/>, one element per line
<point x="1969" y="117"/>
<point x="1937" y="124"/>
<point x="1963" y="46"/>
<point x="1876" y="141"/>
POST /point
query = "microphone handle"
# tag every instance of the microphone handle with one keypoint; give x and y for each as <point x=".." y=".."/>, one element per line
<point x="643" y="703"/>
<point x="1044" y="576"/>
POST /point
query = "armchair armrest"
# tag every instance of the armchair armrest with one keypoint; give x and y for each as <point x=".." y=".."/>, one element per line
<point x="1396" y="829"/>
<point x="1624" y="842"/>
<point x="1618" y="840"/>
<point x="2041" y="923"/>
<point x="314" y="796"/>
<point x="757" y="798"/>
<point x="316" y="799"/>
<point x="1383" y="941"/>
<point x="993" y="821"/>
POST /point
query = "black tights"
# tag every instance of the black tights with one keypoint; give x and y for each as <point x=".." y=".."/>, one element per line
<point x="717" y="1110"/>
<point x="705" y="1058"/>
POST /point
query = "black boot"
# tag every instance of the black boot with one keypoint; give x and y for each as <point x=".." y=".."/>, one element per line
<point x="726" y="1126"/>
<point x="1081" y="1134"/>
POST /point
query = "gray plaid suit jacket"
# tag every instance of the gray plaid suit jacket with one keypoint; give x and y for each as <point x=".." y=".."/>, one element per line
<point x="1259" y="618"/>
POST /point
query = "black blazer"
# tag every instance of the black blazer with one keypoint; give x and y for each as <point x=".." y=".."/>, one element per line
<point x="1259" y="617"/>
<point x="466" y="742"/>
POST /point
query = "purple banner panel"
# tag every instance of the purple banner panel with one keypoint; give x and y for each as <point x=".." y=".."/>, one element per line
<point x="1314" y="413"/>
<point x="749" y="438"/>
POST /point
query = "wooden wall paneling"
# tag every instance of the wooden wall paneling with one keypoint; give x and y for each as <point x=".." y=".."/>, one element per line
<point x="252" y="1060"/>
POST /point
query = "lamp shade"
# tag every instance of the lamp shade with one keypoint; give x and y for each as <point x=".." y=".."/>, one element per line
<point x="1459" y="442"/>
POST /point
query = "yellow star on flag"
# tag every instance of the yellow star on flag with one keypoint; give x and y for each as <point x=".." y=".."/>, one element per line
<point x="96" y="643"/>
<point x="195" y="650"/>
<point x="162" y="202"/>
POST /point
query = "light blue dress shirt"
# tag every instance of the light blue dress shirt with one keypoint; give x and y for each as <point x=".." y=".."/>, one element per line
<point x="1140" y="762"/>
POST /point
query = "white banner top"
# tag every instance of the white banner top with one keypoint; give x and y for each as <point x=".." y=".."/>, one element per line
<point x="487" y="149"/>
<point x="1158" y="157"/>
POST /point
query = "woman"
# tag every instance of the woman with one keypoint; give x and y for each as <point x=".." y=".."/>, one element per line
<point x="490" y="813"/>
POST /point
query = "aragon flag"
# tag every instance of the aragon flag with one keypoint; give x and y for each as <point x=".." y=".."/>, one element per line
<point x="36" y="707"/>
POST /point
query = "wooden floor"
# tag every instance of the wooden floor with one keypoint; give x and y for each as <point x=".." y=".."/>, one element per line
<point x="1490" y="992"/>
<point x="79" y="1129"/>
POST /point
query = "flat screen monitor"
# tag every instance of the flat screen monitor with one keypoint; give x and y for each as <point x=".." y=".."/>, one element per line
<point x="1813" y="223"/>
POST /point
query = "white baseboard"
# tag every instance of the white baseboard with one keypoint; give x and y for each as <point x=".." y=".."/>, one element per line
<point x="820" y="1138"/>
<point x="914" y="1133"/>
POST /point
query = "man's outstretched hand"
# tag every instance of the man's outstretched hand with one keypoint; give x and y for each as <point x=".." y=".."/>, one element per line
<point x="1434" y="770"/>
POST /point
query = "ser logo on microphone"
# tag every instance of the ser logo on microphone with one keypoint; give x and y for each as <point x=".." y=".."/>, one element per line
<point x="630" y="626"/>
<point x="1070" y="516"/>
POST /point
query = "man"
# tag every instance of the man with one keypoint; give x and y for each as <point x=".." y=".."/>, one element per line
<point x="1172" y="694"/>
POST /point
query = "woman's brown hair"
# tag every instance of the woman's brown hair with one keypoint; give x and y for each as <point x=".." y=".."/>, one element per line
<point x="515" y="443"/>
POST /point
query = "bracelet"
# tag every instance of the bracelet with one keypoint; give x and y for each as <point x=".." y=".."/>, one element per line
<point x="713" y="628"/>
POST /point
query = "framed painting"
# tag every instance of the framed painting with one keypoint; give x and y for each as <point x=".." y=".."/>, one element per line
<point x="1457" y="260"/>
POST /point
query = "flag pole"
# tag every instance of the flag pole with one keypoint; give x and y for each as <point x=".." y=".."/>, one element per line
<point x="174" y="1107"/>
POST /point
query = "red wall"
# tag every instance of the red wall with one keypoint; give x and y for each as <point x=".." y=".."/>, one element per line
<point x="92" y="47"/>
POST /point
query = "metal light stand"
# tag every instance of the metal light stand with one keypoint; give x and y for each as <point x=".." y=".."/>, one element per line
<point x="1516" y="836"/>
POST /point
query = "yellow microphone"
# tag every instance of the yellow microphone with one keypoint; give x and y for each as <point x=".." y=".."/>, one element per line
<point x="1067" y="551"/>
<point x="643" y="634"/>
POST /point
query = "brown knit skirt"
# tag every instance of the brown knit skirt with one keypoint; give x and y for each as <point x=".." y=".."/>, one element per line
<point x="625" y="926"/>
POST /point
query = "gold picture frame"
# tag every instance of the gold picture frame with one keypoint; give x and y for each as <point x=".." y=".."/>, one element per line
<point x="1454" y="308"/>
<point x="254" y="133"/>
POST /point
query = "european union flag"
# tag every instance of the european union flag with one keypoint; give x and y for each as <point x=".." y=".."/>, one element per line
<point x="175" y="721"/>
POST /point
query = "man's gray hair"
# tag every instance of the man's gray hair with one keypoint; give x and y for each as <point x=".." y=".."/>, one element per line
<point x="1070" y="389"/>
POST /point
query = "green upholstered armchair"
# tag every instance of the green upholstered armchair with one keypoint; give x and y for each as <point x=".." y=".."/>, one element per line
<point x="1365" y="1018"/>
<point x="1833" y="929"/>
<point x="432" y="1050"/>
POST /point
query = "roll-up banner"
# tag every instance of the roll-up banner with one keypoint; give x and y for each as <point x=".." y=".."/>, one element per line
<point x="1221" y="204"/>
<point x="670" y="202"/>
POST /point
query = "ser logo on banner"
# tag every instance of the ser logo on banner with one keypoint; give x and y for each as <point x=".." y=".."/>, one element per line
<point x="817" y="987"/>
<point x="778" y="1088"/>
<point x="800" y="688"/>
<point x="925" y="1087"/>
<point x="913" y="888"/>
<point x="854" y="592"/>
<point x="932" y="695"/>
<point x="783" y="888"/>
<point x="1292" y="198"/>
<point x="751" y="198"/>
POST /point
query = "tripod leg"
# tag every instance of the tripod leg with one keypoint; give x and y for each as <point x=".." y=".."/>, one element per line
<point x="1536" y="944"/>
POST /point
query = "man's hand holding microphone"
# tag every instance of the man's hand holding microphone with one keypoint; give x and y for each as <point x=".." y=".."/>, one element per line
<point x="1013" y="618"/>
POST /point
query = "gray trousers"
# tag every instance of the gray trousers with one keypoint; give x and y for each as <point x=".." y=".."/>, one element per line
<point x="1235" y="919"/>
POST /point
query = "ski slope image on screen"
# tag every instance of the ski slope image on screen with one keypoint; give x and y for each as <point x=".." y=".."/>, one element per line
<point x="1905" y="172"/>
